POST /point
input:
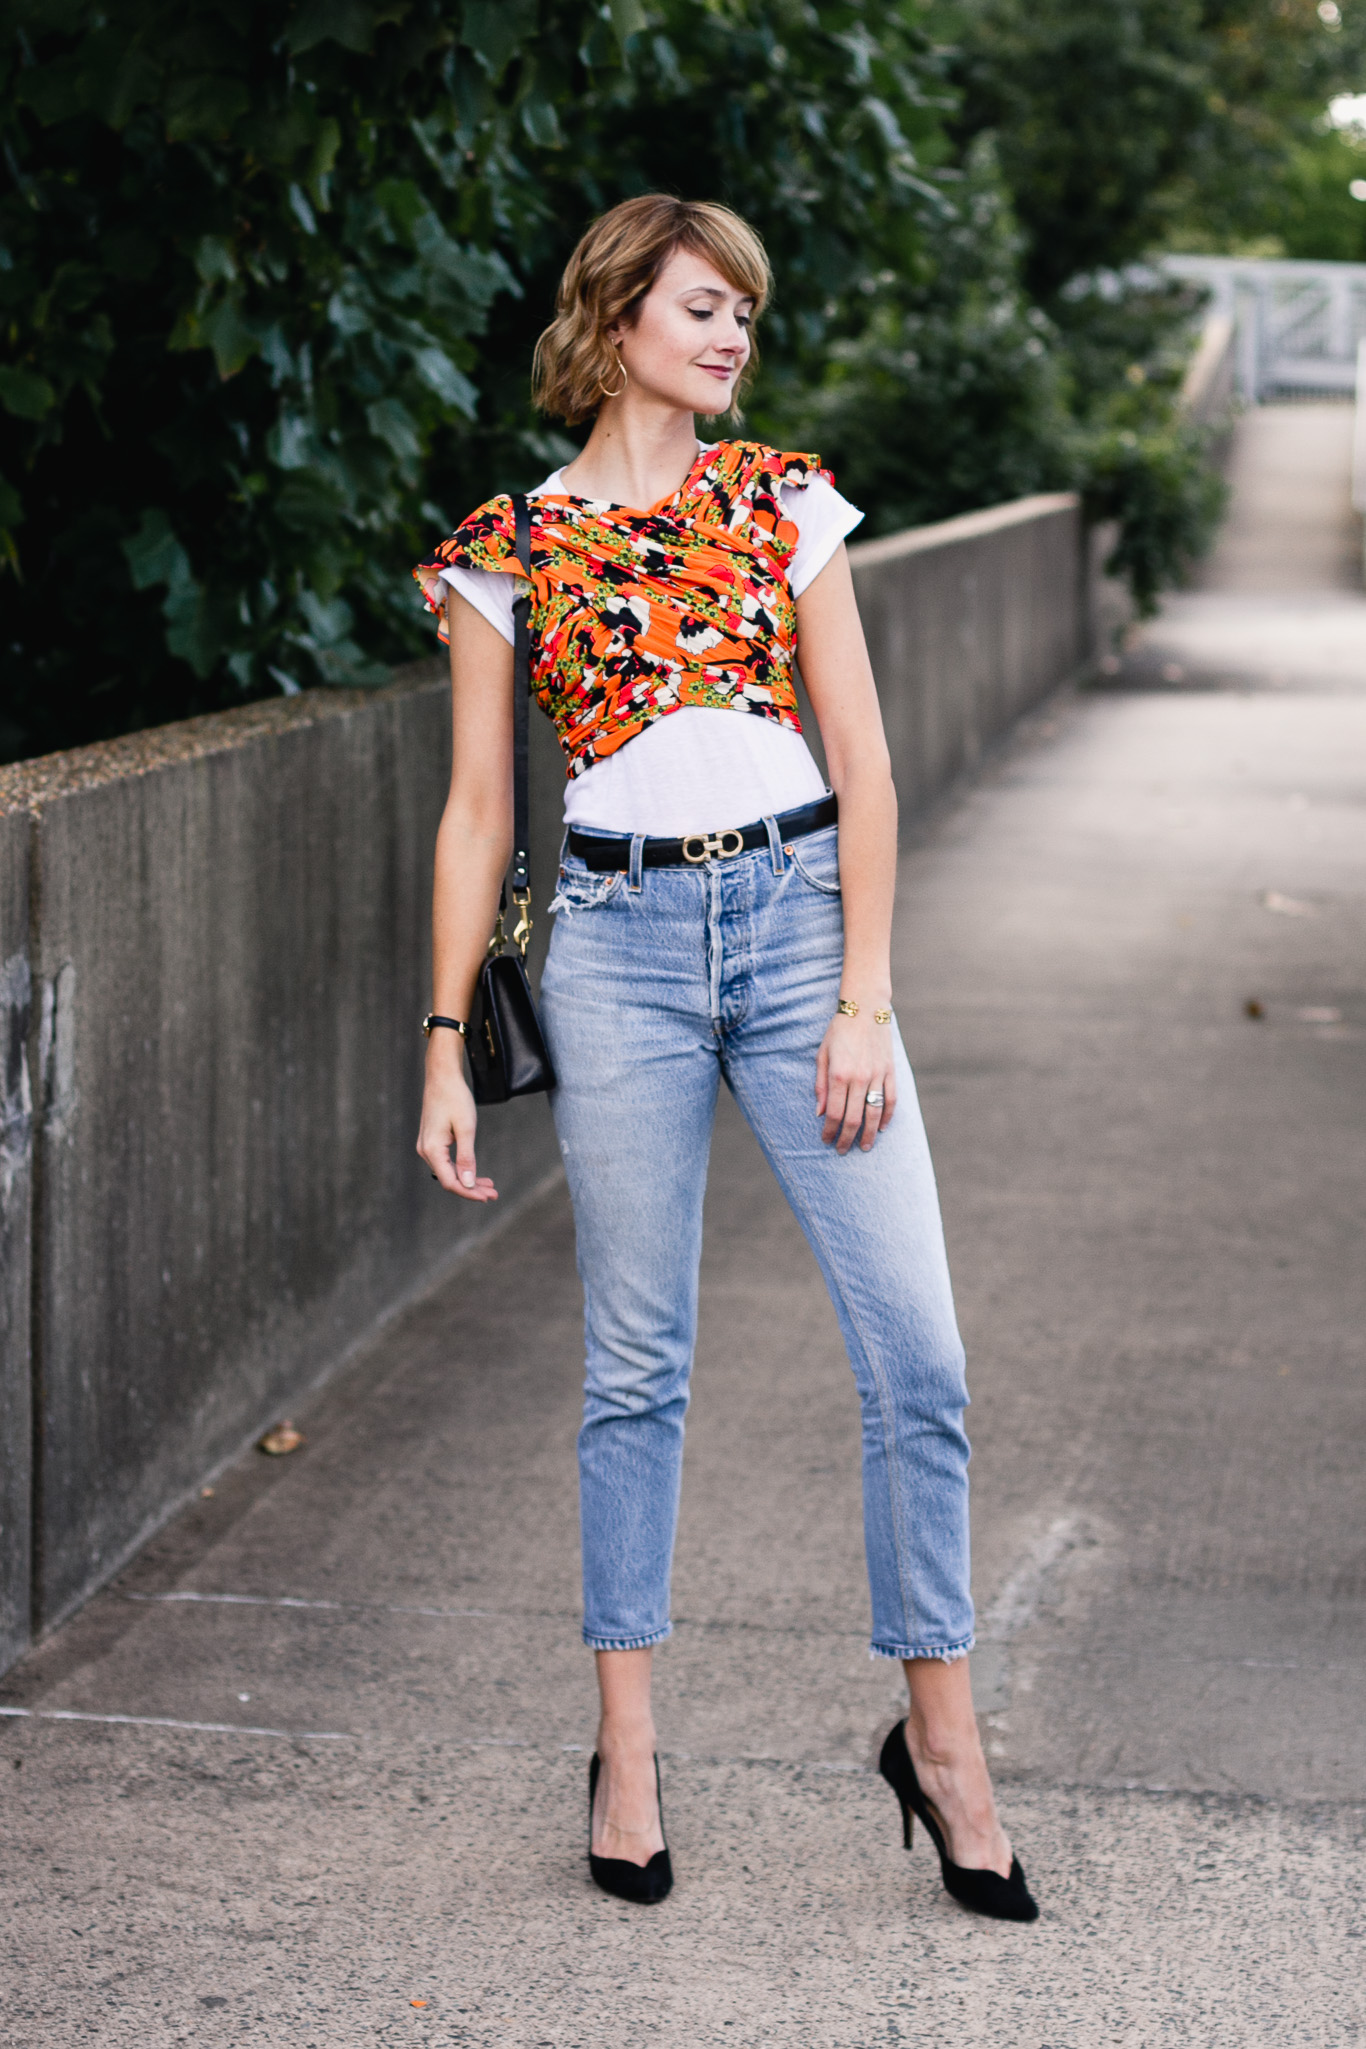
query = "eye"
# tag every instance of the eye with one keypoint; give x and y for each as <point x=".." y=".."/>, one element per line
<point x="700" y="312"/>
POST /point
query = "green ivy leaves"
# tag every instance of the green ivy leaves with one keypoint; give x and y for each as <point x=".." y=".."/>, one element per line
<point x="155" y="557"/>
<point x="495" y="30"/>
<point x="239" y="396"/>
<point x="347" y="22"/>
<point x="24" y="393"/>
<point x="270" y="276"/>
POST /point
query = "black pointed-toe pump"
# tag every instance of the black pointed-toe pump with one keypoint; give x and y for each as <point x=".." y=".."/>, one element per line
<point x="986" y="1892"/>
<point x="642" y="1883"/>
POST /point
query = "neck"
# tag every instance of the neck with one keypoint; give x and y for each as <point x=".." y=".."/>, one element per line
<point x="637" y="453"/>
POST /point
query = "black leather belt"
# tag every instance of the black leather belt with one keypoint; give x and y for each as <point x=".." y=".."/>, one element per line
<point x="602" y="854"/>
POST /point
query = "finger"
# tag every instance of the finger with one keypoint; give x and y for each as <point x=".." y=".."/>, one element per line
<point x="466" y="1170"/>
<point x="854" y="1112"/>
<point x="873" y="1114"/>
<point x="437" y="1154"/>
<point x="877" y="1115"/>
<point x="444" y="1171"/>
<point x="836" y="1098"/>
<point x="822" y="1078"/>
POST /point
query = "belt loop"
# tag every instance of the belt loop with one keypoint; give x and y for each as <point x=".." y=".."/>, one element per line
<point x="636" y="863"/>
<point x="775" y="844"/>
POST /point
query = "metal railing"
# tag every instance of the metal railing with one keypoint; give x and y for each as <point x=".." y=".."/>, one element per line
<point x="1298" y="326"/>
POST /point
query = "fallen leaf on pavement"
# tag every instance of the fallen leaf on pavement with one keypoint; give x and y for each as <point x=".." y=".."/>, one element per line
<point x="284" y="1437"/>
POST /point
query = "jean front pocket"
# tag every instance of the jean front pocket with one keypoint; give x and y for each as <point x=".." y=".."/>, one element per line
<point x="817" y="860"/>
<point x="580" y="889"/>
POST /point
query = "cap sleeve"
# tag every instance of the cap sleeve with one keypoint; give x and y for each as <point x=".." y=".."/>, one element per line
<point x="823" y="519"/>
<point x="486" y="540"/>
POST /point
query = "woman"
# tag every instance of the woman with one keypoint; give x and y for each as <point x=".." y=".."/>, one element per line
<point x="714" y="923"/>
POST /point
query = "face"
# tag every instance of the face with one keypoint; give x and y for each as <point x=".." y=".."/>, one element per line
<point x="690" y="339"/>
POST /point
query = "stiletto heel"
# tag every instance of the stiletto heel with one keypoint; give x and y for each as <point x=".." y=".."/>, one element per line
<point x="643" y="1884"/>
<point x="986" y="1892"/>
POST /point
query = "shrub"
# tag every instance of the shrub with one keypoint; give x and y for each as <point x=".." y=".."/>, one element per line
<point x="957" y="393"/>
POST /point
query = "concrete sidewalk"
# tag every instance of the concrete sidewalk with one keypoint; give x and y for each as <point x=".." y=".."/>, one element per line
<point x="313" y="1772"/>
<point x="1280" y="603"/>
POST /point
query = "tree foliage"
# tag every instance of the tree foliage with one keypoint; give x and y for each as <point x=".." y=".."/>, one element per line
<point x="1123" y="127"/>
<point x="1317" y="209"/>
<point x="950" y="393"/>
<point x="247" y="253"/>
<point x="271" y="276"/>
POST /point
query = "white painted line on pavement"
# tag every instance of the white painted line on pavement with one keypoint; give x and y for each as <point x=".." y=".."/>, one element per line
<point x="293" y="1601"/>
<point x="166" y="1722"/>
<point x="240" y="1600"/>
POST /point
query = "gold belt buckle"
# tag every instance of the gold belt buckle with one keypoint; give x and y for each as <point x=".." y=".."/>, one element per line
<point x="711" y="843"/>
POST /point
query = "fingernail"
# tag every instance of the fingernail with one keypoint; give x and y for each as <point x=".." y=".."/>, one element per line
<point x="468" y="1178"/>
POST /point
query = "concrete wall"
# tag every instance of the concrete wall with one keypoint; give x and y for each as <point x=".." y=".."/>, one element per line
<point x="229" y="967"/>
<point x="969" y="622"/>
<point x="16" y="1244"/>
<point x="1208" y="387"/>
<point x="224" y="925"/>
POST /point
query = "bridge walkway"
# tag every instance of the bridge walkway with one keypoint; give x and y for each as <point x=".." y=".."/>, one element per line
<point x="312" y="1772"/>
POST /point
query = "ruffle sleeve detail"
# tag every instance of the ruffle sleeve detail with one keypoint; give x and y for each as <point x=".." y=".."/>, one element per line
<point x="486" y="540"/>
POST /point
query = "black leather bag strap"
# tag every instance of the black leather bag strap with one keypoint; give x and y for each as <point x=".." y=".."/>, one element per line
<point x="521" y="711"/>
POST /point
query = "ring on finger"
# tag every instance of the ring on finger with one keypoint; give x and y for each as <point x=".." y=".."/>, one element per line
<point x="876" y="1098"/>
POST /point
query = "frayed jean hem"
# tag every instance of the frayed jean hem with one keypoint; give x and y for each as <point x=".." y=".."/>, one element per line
<point x="628" y="1643"/>
<point x="948" y="1654"/>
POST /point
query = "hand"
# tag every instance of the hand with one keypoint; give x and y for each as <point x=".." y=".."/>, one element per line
<point x="449" y="1119"/>
<point x="855" y="1056"/>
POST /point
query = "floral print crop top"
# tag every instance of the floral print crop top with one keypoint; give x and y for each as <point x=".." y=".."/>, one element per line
<point x="636" y="614"/>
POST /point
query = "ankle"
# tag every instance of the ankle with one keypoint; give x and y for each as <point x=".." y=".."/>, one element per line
<point x="626" y="1738"/>
<point x="942" y="1745"/>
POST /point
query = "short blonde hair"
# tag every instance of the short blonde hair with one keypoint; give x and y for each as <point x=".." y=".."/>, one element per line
<point x="609" y="274"/>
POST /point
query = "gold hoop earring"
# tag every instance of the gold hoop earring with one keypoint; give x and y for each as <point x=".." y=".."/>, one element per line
<point x="625" y="380"/>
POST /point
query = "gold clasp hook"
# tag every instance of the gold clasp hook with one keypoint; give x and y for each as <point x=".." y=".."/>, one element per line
<point x="521" y="931"/>
<point x="499" y="939"/>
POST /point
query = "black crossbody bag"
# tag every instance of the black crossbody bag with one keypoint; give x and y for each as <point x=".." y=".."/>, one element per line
<point x="507" y="1050"/>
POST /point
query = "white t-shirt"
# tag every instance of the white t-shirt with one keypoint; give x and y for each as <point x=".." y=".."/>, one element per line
<point x="695" y="769"/>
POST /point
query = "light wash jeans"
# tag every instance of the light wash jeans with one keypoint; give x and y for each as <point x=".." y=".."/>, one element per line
<point x="659" y="984"/>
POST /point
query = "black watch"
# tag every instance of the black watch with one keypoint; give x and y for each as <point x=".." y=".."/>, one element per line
<point x="431" y="1020"/>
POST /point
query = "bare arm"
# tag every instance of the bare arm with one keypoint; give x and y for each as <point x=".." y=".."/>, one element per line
<point x="856" y="1053"/>
<point x="473" y="846"/>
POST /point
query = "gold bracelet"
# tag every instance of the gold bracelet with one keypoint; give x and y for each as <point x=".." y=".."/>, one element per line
<point x="848" y="1008"/>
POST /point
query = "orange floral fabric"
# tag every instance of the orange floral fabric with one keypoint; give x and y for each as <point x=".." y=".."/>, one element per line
<point x="636" y="614"/>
